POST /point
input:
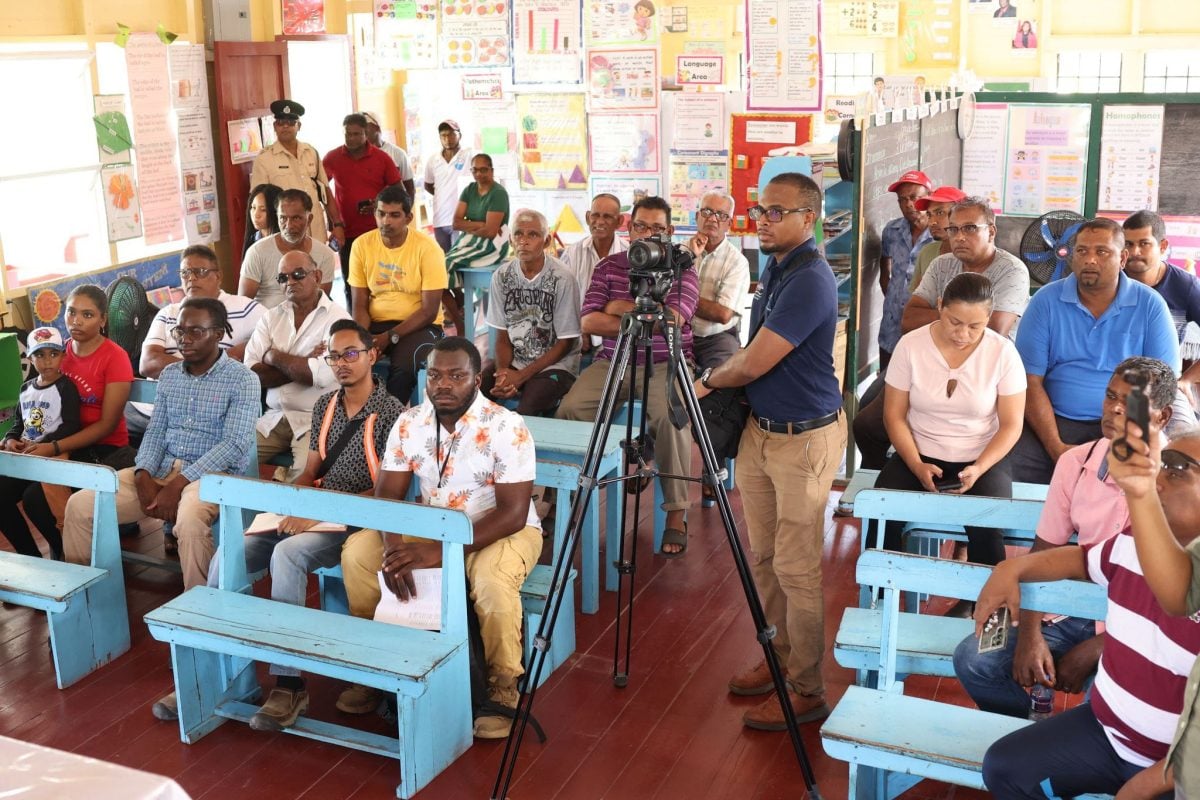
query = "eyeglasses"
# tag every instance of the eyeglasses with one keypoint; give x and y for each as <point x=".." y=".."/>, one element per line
<point x="191" y="334"/>
<point x="296" y="275"/>
<point x="195" y="272"/>
<point x="1174" y="461"/>
<point x="951" y="385"/>
<point x="773" y="214"/>
<point x="966" y="230"/>
<point x="712" y="212"/>
<point x="641" y="227"/>
<point x="350" y="355"/>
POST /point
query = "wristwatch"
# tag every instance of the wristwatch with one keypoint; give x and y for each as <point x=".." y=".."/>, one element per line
<point x="704" y="376"/>
<point x="394" y="338"/>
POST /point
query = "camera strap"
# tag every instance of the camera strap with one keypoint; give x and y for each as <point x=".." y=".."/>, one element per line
<point x="771" y="293"/>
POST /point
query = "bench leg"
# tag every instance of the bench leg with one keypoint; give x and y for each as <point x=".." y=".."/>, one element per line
<point x="333" y="592"/>
<point x="434" y="728"/>
<point x="203" y="681"/>
<point x="71" y="640"/>
<point x="562" y="638"/>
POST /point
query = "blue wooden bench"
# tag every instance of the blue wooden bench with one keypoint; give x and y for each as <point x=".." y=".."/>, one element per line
<point x="892" y="741"/>
<point x="216" y="635"/>
<point x="84" y="605"/>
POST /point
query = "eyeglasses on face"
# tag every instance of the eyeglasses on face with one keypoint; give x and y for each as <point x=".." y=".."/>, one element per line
<point x="712" y="212"/>
<point x="641" y="227"/>
<point x="349" y="355"/>
<point x="296" y="275"/>
<point x="773" y="214"/>
<point x="195" y="273"/>
<point x="969" y="229"/>
<point x="191" y="334"/>
<point x="1177" y="462"/>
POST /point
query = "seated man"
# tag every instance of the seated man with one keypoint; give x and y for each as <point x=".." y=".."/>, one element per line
<point x="607" y="299"/>
<point x="1075" y="332"/>
<point x="1117" y="742"/>
<point x="397" y="276"/>
<point x="724" y="276"/>
<point x="603" y="219"/>
<point x="1084" y="501"/>
<point x="363" y="412"/>
<point x="483" y="463"/>
<point x="203" y="422"/>
<point x="937" y="206"/>
<point x="534" y="307"/>
<point x="260" y="265"/>
<point x="285" y="353"/>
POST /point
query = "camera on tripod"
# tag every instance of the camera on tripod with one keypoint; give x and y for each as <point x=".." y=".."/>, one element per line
<point x="654" y="263"/>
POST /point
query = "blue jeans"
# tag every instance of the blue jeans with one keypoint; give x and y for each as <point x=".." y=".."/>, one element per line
<point x="987" y="677"/>
<point x="290" y="559"/>
<point x="1063" y="756"/>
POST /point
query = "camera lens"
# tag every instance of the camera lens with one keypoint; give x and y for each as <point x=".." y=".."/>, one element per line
<point x="647" y="254"/>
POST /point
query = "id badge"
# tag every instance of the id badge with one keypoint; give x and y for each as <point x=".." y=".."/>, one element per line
<point x="438" y="497"/>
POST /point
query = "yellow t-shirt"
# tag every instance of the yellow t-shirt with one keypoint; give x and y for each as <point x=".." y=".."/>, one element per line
<point x="396" y="276"/>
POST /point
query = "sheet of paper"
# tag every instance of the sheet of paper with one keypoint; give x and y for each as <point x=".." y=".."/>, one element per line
<point x="423" y="611"/>
<point x="269" y="523"/>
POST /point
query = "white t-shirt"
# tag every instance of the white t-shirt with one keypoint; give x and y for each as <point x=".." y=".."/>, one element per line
<point x="959" y="427"/>
<point x="244" y="313"/>
<point x="261" y="264"/>
<point x="400" y="157"/>
<point x="449" y="178"/>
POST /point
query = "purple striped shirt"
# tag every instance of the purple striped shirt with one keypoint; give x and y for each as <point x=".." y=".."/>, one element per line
<point x="1148" y="655"/>
<point x="610" y="281"/>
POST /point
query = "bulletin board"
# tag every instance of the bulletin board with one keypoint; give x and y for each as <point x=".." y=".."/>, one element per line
<point x="752" y="137"/>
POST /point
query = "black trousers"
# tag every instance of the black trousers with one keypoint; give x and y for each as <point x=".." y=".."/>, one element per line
<point x="16" y="529"/>
<point x="403" y="363"/>
<point x="984" y="545"/>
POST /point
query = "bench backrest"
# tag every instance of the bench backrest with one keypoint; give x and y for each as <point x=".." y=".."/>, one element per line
<point x="899" y="572"/>
<point x="106" y="545"/>
<point x="234" y="495"/>
<point x="878" y="506"/>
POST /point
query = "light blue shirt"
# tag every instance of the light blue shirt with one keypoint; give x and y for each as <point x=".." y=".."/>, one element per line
<point x="897" y="244"/>
<point x="206" y="421"/>
<point x="1075" y="353"/>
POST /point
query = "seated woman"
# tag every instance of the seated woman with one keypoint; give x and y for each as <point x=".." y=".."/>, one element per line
<point x="261" y="220"/>
<point x="953" y="406"/>
<point x="103" y="375"/>
<point x="482" y="218"/>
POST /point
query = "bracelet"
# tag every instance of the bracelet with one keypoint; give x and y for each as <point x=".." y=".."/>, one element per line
<point x="57" y="451"/>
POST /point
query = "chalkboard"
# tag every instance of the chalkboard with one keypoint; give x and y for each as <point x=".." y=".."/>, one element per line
<point x="941" y="149"/>
<point x="888" y="151"/>
<point x="1180" y="170"/>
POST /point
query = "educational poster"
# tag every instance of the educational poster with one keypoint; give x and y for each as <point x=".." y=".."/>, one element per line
<point x="623" y="80"/>
<point x="627" y="190"/>
<point x="1184" y="235"/>
<point x="552" y="141"/>
<point x="201" y="219"/>
<point x="1130" y="157"/>
<point x="874" y="18"/>
<point x="113" y="138"/>
<point x="153" y="133"/>
<point x="474" y="34"/>
<point x="547" y="41"/>
<point x="753" y="138"/>
<point x="120" y="202"/>
<point x="699" y="70"/>
<point x="245" y="139"/>
<point x="983" y="154"/>
<point x="699" y="122"/>
<point x="690" y="176"/>
<point x="303" y="16"/>
<point x="370" y="69"/>
<point x="189" y="81"/>
<point x="405" y="35"/>
<point x="783" y="54"/>
<point x="1047" y="158"/>
<point x="621" y="21"/>
<point x="482" y="86"/>
<point x="929" y="31"/>
<point x="623" y="142"/>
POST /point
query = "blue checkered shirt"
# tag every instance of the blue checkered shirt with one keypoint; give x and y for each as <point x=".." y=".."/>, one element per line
<point x="206" y="421"/>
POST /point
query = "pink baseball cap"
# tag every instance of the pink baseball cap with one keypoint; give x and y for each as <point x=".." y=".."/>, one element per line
<point x="451" y="124"/>
<point x="942" y="194"/>
<point x="913" y="176"/>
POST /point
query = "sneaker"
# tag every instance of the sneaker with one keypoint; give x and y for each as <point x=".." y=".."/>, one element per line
<point x="768" y="715"/>
<point x="166" y="708"/>
<point x="754" y="681"/>
<point x="498" y="726"/>
<point x="357" y="699"/>
<point x="280" y="711"/>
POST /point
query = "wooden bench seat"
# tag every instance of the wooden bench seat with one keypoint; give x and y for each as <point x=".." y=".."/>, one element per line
<point x="925" y="647"/>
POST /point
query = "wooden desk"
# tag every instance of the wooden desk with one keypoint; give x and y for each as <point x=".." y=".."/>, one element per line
<point x="33" y="772"/>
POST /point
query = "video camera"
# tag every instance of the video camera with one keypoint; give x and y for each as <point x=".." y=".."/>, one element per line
<point x="654" y="264"/>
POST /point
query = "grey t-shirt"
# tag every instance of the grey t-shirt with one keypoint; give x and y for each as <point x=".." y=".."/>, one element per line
<point x="1009" y="277"/>
<point x="262" y="264"/>
<point x="536" y="313"/>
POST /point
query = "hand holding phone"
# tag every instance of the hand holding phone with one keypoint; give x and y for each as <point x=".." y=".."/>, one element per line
<point x="995" y="631"/>
<point x="950" y="483"/>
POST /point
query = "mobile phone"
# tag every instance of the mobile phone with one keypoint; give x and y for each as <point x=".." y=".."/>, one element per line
<point x="995" y="631"/>
<point x="948" y="484"/>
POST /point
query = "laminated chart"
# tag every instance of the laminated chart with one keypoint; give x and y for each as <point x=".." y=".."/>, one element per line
<point x="475" y="34"/>
<point x="552" y="141"/>
<point x="406" y="33"/>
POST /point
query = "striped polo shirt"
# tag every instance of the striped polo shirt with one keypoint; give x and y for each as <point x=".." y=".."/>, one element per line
<point x="1148" y="654"/>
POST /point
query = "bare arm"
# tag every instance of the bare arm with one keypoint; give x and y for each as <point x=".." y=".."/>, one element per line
<point x="714" y="311"/>
<point x="1002" y="322"/>
<point x="429" y="187"/>
<point x="556" y="353"/>
<point x="600" y="323"/>
<point x="360" y="301"/>
<point x="409" y="187"/>
<point x="461" y="223"/>
<point x="917" y="314"/>
<point x="885" y="273"/>
<point x="1040" y="416"/>
<point x="750" y="363"/>
<point x="112" y="411"/>
<point x="155" y="359"/>
<point x="1011" y="410"/>
<point x="247" y="287"/>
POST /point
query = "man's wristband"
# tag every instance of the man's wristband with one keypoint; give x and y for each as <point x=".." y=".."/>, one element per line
<point x="57" y="449"/>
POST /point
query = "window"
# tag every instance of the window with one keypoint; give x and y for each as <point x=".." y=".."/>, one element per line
<point x="1089" y="71"/>
<point x="1172" y="71"/>
<point x="849" y="73"/>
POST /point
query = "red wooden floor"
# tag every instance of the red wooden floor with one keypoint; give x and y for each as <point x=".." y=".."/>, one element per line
<point x="673" y="732"/>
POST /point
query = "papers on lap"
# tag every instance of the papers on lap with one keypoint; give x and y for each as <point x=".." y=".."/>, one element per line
<point x="423" y="611"/>
<point x="269" y="523"/>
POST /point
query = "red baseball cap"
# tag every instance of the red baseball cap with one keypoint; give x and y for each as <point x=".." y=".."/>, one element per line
<point x="942" y="194"/>
<point x="913" y="176"/>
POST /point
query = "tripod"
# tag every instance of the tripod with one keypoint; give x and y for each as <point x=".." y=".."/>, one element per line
<point x="637" y="327"/>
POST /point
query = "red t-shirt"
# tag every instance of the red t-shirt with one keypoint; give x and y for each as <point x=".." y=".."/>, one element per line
<point x="92" y="374"/>
<point x="356" y="180"/>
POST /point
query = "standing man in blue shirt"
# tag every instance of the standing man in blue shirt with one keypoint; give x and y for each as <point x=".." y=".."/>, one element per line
<point x="792" y="445"/>
<point x="901" y="240"/>
<point x="1074" y="333"/>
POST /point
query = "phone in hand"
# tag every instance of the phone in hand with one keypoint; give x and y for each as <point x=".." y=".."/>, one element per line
<point x="995" y="631"/>
<point x="948" y="484"/>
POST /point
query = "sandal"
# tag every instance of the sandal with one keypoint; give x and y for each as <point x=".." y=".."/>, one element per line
<point x="708" y="498"/>
<point x="674" y="536"/>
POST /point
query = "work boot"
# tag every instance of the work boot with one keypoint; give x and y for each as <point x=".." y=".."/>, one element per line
<point x="768" y="715"/>
<point x="753" y="681"/>
<point x="358" y="699"/>
<point x="166" y="708"/>
<point x="281" y="710"/>
<point x="502" y="692"/>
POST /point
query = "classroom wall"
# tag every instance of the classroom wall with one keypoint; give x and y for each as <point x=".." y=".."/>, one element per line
<point x="96" y="20"/>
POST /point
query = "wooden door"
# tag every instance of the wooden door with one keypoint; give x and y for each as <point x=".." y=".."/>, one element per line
<point x="249" y="76"/>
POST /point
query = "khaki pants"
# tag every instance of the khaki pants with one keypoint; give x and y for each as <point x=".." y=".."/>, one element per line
<point x="282" y="439"/>
<point x="193" y="524"/>
<point x="785" y="482"/>
<point x="494" y="576"/>
<point x="673" y="448"/>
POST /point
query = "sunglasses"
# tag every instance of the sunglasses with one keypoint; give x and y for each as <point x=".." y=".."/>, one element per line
<point x="1178" y="462"/>
<point x="296" y="275"/>
<point x="349" y="355"/>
